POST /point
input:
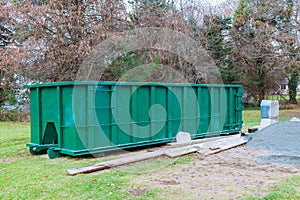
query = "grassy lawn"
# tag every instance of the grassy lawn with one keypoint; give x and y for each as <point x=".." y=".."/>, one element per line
<point x="24" y="176"/>
<point x="285" y="189"/>
<point x="278" y="97"/>
<point x="252" y="117"/>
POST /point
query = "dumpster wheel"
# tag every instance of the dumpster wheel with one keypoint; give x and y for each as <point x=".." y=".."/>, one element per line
<point x="53" y="153"/>
<point x="35" y="151"/>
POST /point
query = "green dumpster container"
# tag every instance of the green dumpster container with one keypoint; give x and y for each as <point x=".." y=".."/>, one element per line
<point x="78" y="118"/>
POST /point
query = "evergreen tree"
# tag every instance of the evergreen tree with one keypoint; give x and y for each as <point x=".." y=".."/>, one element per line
<point x="217" y="41"/>
<point x="257" y="46"/>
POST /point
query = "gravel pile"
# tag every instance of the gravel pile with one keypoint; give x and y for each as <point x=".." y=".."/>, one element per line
<point x="282" y="140"/>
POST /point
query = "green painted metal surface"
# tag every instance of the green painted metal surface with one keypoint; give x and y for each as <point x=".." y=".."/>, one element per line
<point x="77" y="118"/>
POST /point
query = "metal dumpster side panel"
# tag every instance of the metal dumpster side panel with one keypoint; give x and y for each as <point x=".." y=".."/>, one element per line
<point x="103" y="116"/>
<point x="35" y="120"/>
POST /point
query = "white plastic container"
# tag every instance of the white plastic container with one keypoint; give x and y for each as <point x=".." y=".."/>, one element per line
<point x="269" y="112"/>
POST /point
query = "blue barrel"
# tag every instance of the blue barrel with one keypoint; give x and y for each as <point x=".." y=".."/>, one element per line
<point x="264" y="109"/>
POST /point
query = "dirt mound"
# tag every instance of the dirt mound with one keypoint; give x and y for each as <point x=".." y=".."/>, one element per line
<point x="281" y="140"/>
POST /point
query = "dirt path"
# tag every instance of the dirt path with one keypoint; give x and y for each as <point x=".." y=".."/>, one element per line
<point x="227" y="175"/>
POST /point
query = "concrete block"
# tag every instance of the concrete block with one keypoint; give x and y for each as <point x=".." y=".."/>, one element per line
<point x="183" y="137"/>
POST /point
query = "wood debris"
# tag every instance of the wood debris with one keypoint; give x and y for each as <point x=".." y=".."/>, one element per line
<point x="206" y="148"/>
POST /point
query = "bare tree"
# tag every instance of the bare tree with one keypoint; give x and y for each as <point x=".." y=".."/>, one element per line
<point x="257" y="50"/>
<point x="58" y="34"/>
<point x="289" y="40"/>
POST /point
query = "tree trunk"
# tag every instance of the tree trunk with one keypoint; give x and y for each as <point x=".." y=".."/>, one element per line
<point x="293" y="83"/>
<point x="1" y="97"/>
<point x="261" y="97"/>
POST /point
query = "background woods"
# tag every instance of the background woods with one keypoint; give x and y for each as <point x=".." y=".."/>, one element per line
<point x="251" y="42"/>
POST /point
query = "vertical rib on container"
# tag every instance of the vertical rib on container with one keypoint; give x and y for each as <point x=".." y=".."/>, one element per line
<point x="78" y="118"/>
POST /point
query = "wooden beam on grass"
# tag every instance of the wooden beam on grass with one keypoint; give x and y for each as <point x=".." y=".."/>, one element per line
<point x="206" y="148"/>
